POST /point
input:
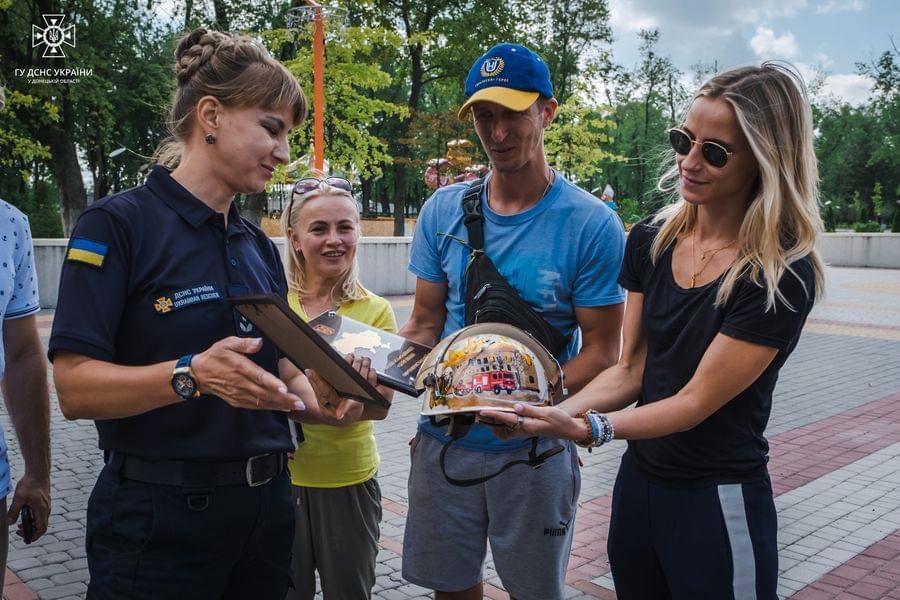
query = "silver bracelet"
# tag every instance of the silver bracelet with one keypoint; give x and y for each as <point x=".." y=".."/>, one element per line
<point x="606" y="432"/>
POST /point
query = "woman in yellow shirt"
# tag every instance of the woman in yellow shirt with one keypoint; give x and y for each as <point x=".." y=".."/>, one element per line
<point x="336" y="496"/>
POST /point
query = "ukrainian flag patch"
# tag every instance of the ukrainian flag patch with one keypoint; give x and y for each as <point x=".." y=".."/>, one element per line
<point x="87" y="251"/>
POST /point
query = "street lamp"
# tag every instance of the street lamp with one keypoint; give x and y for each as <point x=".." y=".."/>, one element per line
<point x="317" y="13"/>
<point x="318" y="86"/>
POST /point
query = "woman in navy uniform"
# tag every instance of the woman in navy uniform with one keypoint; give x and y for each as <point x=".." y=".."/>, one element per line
<point x="191" y="405"/>
<point x="719" y="286"/>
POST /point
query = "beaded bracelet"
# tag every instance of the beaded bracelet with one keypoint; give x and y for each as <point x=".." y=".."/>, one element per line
<point x="593" y="431"/>
<point x="600" y="430"/>
<point x="608" y="432"/>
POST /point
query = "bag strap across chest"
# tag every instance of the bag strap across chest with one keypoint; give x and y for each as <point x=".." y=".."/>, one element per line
<point x="473" y="216"/>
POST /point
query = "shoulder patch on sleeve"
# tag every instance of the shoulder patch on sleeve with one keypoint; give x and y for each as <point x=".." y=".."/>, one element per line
<point x="87" y="251"/>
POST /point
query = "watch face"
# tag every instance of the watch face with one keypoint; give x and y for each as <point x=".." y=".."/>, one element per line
<point x="184" y="385"/>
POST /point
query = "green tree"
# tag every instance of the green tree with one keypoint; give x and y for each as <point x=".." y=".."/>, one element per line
<point x="859" y="209"/>
<point x="877" y="201"/>
<point x="573" y="36"/>
<point x="18" y="150"/>
<point x="644" y="100"/>
<point x="352" y="87"/>
<point x="859" y="146"/>
<point x="96" y="113"/>
<point x="578" y="139"/>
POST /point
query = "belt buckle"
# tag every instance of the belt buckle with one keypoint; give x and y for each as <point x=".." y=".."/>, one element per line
<point x="249" y="472"/>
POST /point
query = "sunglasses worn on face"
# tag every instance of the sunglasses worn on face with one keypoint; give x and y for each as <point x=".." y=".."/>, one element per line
<point x="682" y="142"/>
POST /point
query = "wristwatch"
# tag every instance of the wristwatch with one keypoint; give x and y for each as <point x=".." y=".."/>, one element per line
<point x="183" y="381"/>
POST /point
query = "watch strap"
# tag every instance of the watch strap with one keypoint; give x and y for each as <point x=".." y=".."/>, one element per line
<point x="184" y="361"/>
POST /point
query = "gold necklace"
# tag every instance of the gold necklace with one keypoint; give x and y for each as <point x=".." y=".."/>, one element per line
<point x="694" y="273"/>
<point x="550" y="174"/>
<point x="310" y="316"/>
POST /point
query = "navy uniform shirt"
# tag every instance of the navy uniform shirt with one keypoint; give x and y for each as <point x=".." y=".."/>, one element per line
<point x="145" y="280"/>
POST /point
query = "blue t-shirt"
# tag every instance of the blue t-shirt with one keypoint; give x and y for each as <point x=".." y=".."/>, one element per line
<point x="563" y="252"/>
<point x="18" y="292"/>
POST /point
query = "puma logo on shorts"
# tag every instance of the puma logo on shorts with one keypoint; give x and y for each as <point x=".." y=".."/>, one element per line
<point x="557" y="531"/>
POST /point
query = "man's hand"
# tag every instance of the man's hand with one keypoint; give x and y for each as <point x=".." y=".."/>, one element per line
<point x="36" y="494"/>
<point x="25" y="393"/>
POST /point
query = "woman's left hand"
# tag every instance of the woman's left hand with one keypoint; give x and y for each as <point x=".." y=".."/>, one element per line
<point x="343" y="411"/>
<point x="531" y="421"/>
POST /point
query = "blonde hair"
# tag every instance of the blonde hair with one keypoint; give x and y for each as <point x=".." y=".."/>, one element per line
<point x="234" y="69"/>
<point x="347" y="288"/>
<point x="782" y="220"/>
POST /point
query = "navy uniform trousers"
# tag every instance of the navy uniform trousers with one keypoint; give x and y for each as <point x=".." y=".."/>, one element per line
<point x="159" y="542"/>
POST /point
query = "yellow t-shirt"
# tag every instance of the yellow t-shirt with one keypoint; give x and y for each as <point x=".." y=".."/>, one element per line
<point x="332" y="457"/>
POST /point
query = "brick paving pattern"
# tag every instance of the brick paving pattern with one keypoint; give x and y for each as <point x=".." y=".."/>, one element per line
<point x="835" y="466"/>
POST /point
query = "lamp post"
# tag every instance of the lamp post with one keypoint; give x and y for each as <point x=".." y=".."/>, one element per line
<point x="318" y="86"/>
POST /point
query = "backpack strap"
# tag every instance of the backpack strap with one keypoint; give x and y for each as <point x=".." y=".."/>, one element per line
<point x="534" y="461"/>
<point x="473" y="217"/>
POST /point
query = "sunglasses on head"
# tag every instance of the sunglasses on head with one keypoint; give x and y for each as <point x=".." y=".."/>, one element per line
<point x="310" y="184"/>
<point x="713" y="153"/>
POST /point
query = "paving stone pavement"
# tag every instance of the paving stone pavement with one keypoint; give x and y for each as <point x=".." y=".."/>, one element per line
<point x="835" y="466"/>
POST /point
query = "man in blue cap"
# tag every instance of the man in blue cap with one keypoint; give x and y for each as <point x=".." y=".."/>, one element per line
<point x="560" y="249"/>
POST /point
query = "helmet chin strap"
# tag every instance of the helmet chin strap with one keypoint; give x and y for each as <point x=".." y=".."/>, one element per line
<point x="460" y="425"/>
<point x="534" y="461"/>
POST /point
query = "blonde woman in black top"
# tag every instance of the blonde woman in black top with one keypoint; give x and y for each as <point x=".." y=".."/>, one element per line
<point x="719" y="286"/>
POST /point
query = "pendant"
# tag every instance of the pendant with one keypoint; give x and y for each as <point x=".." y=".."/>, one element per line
<point x="693" y="280"/>
<point x="703" y="256"/>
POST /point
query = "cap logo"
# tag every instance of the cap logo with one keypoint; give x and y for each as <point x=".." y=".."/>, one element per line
<point x="492" y="66"/>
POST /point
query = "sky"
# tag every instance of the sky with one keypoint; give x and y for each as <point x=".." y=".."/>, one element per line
<point x="830" y="34"/>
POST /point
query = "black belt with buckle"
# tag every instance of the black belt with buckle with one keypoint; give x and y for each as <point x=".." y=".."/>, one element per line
<point x="252" y="472"/>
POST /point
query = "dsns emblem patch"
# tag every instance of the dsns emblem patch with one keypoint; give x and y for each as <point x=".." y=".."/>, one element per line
<point x="163" y="305"/>
<point x="186" y="297"/>
<point x="492" y="67"/>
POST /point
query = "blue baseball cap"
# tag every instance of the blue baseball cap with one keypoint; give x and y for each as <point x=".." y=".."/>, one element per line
<point x="510" y="75"/>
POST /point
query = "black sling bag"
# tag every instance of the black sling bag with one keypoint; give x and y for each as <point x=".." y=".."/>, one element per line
<point x="491" y="298"/>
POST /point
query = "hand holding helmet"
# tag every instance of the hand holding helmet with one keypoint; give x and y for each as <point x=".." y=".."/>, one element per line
<point x="530" y="421"/>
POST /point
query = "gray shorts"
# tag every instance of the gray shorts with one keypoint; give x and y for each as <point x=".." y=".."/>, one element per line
<point x="527" y="515"/>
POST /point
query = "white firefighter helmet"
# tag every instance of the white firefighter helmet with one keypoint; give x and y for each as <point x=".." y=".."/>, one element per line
<point x="488" y="366"/>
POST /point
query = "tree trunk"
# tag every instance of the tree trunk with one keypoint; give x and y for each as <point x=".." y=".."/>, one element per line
<point x="221" y="12"/>
<point x="101" y="183"/>
<point x="72" y="195"/>
<point x="64" y="161"/>
<point x="255" y="207"/>
<point x="415" y="93"/>
<point x="399" y="205"/>
<point x="365" y="184"/>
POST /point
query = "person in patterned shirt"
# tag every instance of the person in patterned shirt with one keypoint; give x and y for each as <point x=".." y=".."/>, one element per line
<point x="23" y="378"/>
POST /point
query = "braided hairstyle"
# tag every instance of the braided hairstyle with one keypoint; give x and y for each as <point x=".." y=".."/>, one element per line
<point x="236" y="70"/>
